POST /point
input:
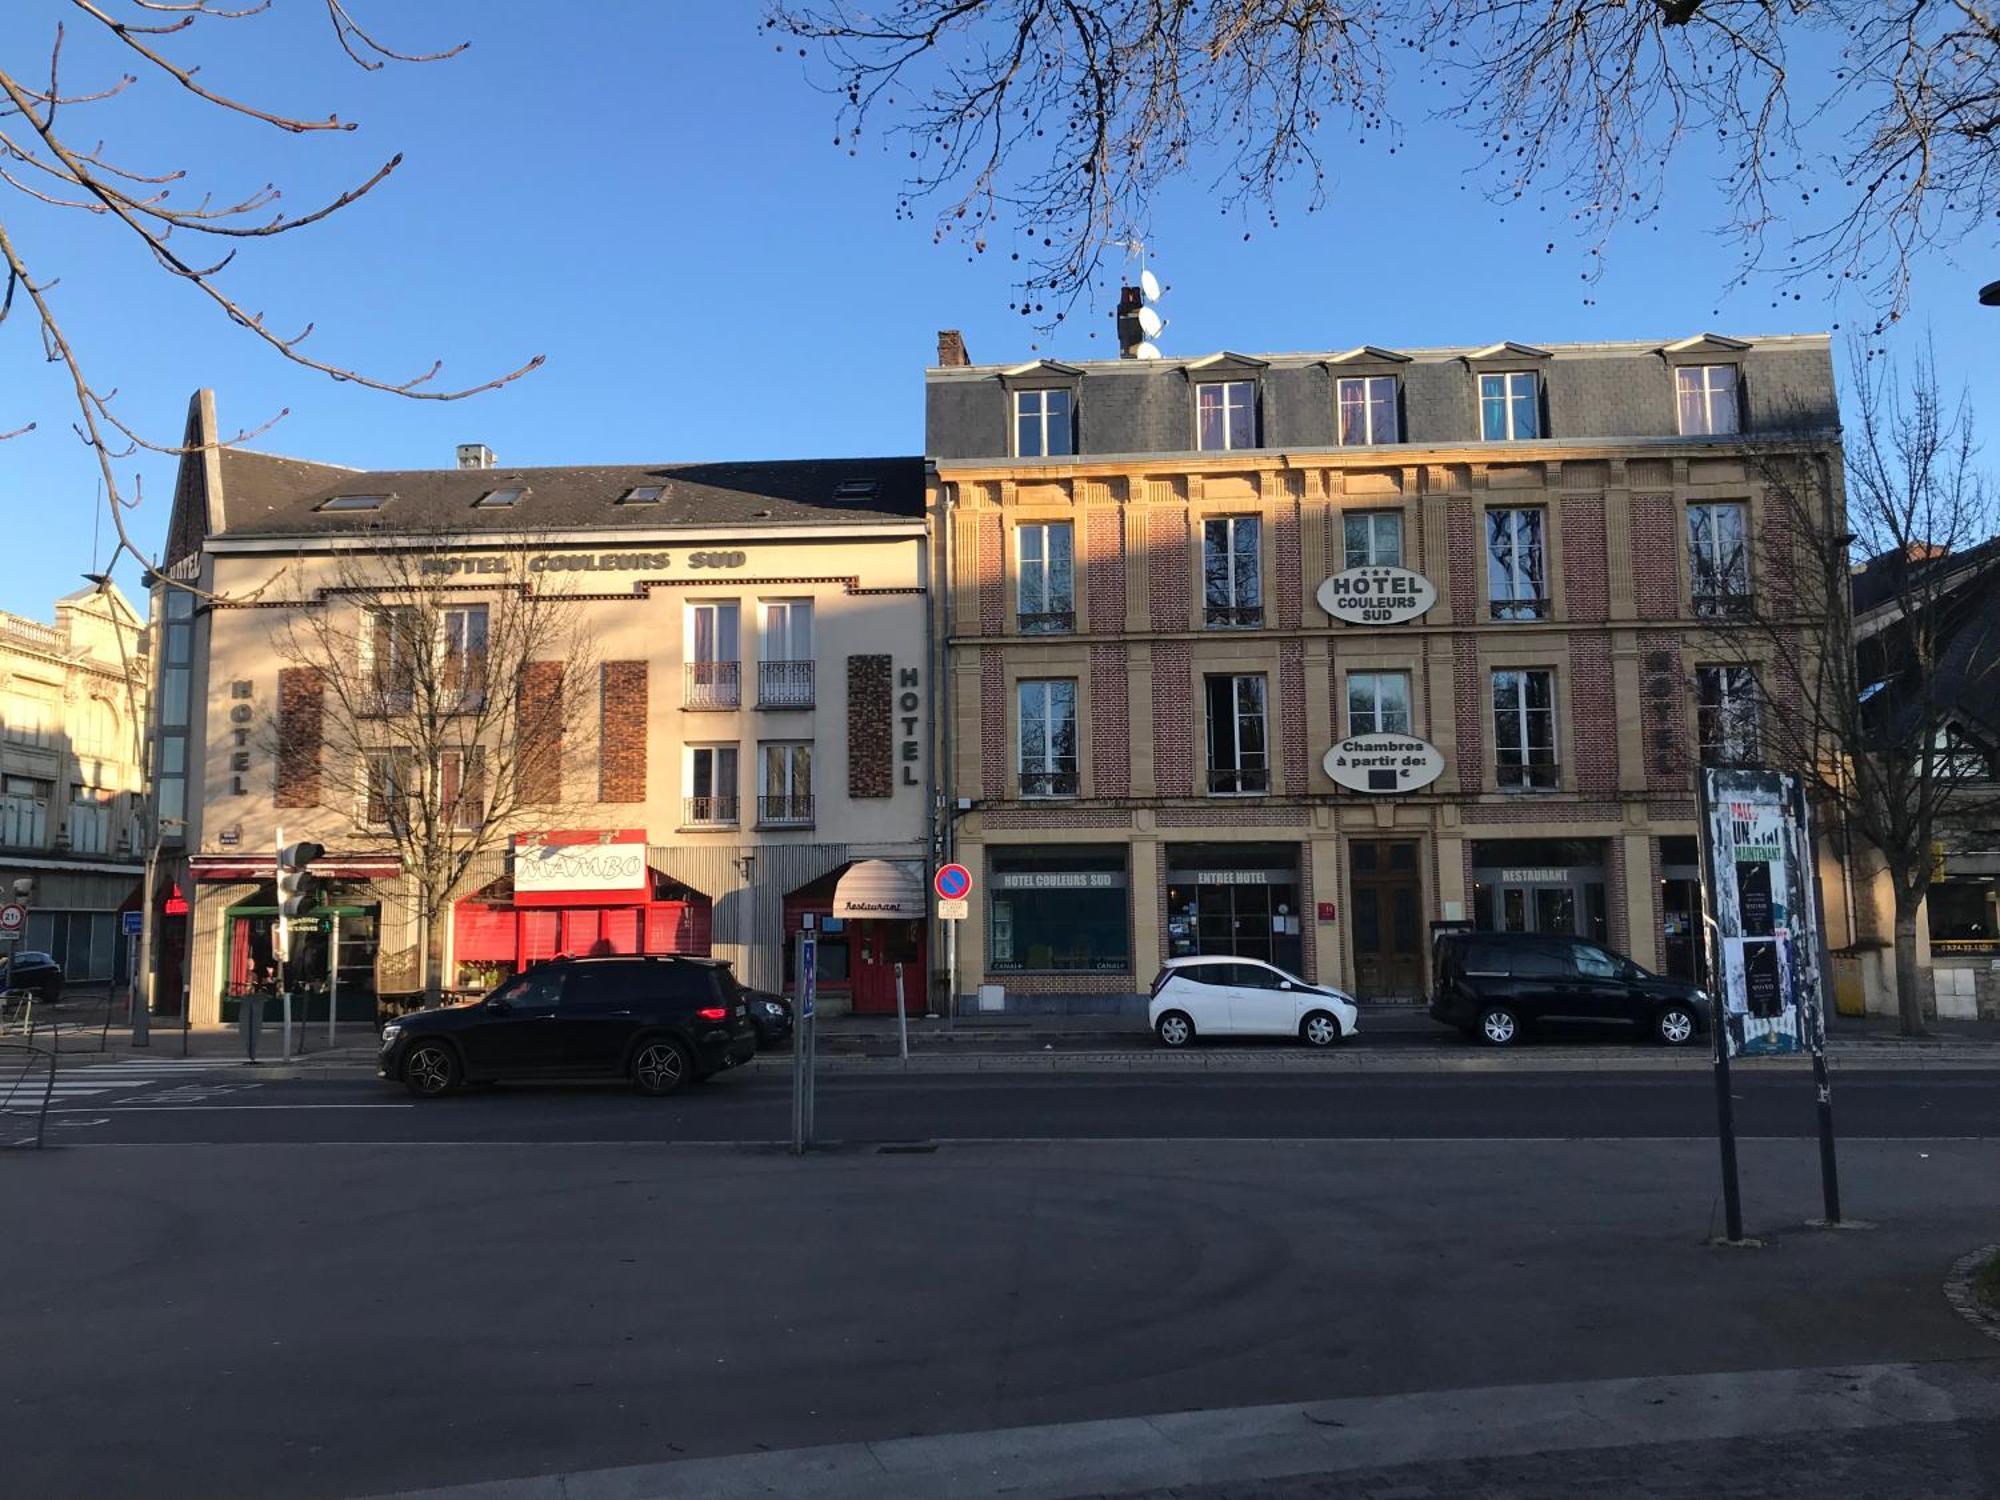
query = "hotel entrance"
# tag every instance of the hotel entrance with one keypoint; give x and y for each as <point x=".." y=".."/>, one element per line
<point x="1385" y="904"/>
<point x="1235" y="899"/>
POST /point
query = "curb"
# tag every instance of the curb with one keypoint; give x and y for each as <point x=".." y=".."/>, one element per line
<point x="1958" y="1292"/>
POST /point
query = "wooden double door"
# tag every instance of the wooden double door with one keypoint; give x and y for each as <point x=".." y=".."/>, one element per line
<point x="1385" y="909"/>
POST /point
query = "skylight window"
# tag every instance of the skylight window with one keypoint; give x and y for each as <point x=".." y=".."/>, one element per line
<point x="642" y="494"/>
<point x="355" y="502"/>
<point x="500" y="499"/>
<point x="855" y="489"/>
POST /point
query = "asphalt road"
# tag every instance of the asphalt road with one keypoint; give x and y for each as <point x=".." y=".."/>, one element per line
<point x="230" y="1104"/>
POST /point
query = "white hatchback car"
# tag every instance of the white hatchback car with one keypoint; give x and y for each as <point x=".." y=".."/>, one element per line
<point x="1222" y="996"/>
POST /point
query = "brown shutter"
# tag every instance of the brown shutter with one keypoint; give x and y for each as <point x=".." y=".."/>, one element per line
<point x="301" y="730"/>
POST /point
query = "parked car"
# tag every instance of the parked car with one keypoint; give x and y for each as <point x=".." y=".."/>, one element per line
<point x="1222" y="996"/>
<point x="1495" y="985"/>
<point x="772" y="1016"/>
<point x="32" y="971"/>
<point x="658" y="1021"/>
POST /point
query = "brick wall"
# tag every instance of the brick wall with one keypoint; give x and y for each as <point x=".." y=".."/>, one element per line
<point x="1656" y="584"/>
<point x="538" y="726"/>
<point x="1167" y="543"/>
<point x="1110" y="722"/>
<point x="1593" y="713"/>
<point x="1462" y="557"/>
<point x="1104" y="567"/>
<point x="621" y="761"/>
<point x="995" y="764"/>
<point x="870" y="728"/>
<point x="990" y="575"/>
<point x="301" y="732"/>
<point x="1287" y="552"/>
<point x="1292" y="713"/>
<point x="1173" y="717"/>
<point x="1665" y="715"/>
<point x="1586" y="583"/>
<point x="1473" y="700"/>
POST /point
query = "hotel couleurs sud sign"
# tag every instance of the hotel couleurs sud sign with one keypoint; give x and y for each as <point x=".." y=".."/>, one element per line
<point x="1381" y="763"/>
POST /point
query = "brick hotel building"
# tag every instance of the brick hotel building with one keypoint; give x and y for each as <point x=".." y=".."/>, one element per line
<point x="1157" y="740"/>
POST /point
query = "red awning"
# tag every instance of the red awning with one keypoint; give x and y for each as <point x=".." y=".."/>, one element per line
<point x="264" y="866"/>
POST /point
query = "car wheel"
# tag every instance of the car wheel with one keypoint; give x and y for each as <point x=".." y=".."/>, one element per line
<point x="1675" y="1026"/>
<point x="1319" y="1030"/>
<point x="1499" y="1026"/>
<point x="661" y="1066"/>
<point x="1176" y="1029"/>
<point x="431" y="1069"/>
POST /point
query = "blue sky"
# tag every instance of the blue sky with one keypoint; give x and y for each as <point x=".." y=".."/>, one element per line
<point x="650" y="195"/>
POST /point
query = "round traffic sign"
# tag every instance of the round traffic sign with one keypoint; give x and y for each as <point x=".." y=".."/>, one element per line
<point x="952" y="882"/>
<point x="13" y="919"/>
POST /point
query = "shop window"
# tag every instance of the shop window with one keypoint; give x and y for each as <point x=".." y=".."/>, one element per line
<point x="1059" y="910"/>
<point x="1238" y="744"/>
<point x="1516" y="563"/>
<point x="1961" y="911"/>
<point x="1232" y="571"/>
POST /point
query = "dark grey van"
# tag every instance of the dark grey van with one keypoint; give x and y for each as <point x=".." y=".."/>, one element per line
<point x="1495" y="985"/>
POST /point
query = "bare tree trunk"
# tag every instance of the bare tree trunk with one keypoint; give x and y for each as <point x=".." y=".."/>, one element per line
<point x="1909" y="979"/>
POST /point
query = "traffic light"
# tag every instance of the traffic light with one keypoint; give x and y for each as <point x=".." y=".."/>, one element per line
<point x="298" y="887"/>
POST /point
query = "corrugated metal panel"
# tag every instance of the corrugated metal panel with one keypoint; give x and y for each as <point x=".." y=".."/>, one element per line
<point x="748" y="922"/>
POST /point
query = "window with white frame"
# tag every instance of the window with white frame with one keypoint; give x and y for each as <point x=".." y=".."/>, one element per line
<point x="24" y="811"/>
<point x="1524" y="728"/>
<point x="1510" y="406"/>
<point x="1707" y="399"/>
<point x="1045" y="567"/>
<point x="1044" y="423"/>
<point x="462" y="787"/>
<point x="1726" y="715"/>
<point x="1373" y="538"/>
<point x="1516" y="563"/>
<point x="785" y="664"/>
<point x="1232" y="571"/>
<point x="1239" y="747"/>
<point x="1378" y="703"/>
<point x="387" y="790"/>
<point x="90" y="820"/>
<point x="1719" y="558"/>
<point x="714" y="671"/>
<point x="787" y="795"/>
<point x="390" y="650"/>
<point x="1225" y="415"/>
<point x="712" y="785"/>
<point x="465" y="652"/>
<point x="1367" y="408"/>
<point x="1048" y="741"/>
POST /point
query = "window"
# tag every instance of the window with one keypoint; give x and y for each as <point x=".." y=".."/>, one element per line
<point x="1238" y="749"/>
<point x="1043" y="426"/>
<point x="1510" y="406"/>
<point x="1516" y="570"/>
<point x="787" y="796"/>
<point x="1232" y="571"/>
<point x="1048" y="738"/>
<point x="1524" y="729"/>
<point x="1595" y="963"/>
<point x="1374" y="538"/>
<point x="1707" y="400"/>
<point x="24" y="810"/>
<point x="390" y="647"/>
<point x="29" y="720"/>
<point x="711" y="785"/>
<point x="462" y="787"/>
<point x="465" y="652"/>
<point x="354" y="502"/>
<point x="1058" y="908"/>
<point x="89" y="821"/>
<point x="388" y="790"/>
<point x="94" y="730"/>
<point x="1047" y="572"/>
<point x="1378" y="703"/>
<point x="537" y="990"/>
<point x="1225" y="415"/>
<point x="714" y="674"/>
<point x="785" y="673"/>
<point x="1367" y="405"/>
<point x="642" y="494"/>
<point x="500" y="499"/>
<point x="1726" y="715"/>
<point x="853" y="491"/>
<point x="1718" y="559"/>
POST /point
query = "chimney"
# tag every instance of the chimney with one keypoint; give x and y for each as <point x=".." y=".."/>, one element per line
<point x="951" y="349"/>
<point x="474" y="456"/>
<point x="1130" y="334"/>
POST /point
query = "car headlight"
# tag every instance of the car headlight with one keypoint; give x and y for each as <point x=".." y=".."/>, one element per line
<point x="772" y="1008"/>
<point x="393" y="1030"/>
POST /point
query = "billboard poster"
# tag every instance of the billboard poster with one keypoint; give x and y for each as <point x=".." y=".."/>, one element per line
<point x="1757" y="858"/>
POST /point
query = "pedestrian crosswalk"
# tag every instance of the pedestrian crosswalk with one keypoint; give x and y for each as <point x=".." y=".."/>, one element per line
<point x="22" y="1088"/>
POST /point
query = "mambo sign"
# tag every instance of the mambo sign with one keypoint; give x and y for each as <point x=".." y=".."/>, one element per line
<point x="1377" y="595"/>
<point x="581" y="562"/>
<point x="1384" y="763"/>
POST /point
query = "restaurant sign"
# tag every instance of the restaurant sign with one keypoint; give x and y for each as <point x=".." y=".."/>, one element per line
<point x="580" y="862"/>
<point x="1378" y="595"/>
<point x="1384" y="763"/>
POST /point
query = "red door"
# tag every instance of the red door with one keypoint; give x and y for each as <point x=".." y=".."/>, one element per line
<point x="875" y="947"/>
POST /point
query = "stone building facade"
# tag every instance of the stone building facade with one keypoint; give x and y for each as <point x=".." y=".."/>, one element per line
<point x="1295" y="656"/>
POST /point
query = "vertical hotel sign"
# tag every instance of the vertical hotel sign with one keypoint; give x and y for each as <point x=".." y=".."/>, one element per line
<point x="1758" y="863"/>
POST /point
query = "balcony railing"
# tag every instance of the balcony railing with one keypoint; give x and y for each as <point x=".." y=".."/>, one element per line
<point x="1536" y="772"/>
<point x="1520" y="609"/>
<point x="1233" y="616"/>
<point x="784" y="684"/>
<point x="1049" y="784"/>
<point x="1238" y="781"/>
<point x="1046" y="622"/>
<point x="709" y="812"/>
<point x="714" y="684"/>
<point x="1726" y="605"/>
<point x="795" y="810"/>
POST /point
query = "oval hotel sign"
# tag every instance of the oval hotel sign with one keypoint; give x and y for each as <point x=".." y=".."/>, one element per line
<point x="1377" y="596"/>
<point x="1384" y="763"/>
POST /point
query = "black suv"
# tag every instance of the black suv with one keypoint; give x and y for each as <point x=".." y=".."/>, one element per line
<point x="1492" y="985"/>
<point x="657" y="1021"/>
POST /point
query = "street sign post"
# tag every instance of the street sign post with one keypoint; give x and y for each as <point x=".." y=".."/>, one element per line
<point x="805" y="955"/>
<point x="953" y="911"/>
<point x="13" y="921"/>
<point x="953" y="884"/>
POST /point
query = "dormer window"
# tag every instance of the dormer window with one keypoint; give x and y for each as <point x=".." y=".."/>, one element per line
<point x="501" y="498"/>
<point x="1044" y="423"/>
<point x="851" y="491"/>
<point x="1707" y="399"/>
<point x="1510" y="406"/>
<point x="642" y="494"/>
<point x="1225" y="415"/>
<point x="1367" y="405"/>
<point x="354" y="502"/>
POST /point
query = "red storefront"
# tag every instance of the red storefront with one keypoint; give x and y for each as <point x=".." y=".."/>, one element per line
<point x="573" y="894"/>
<point x="870" y="918"/>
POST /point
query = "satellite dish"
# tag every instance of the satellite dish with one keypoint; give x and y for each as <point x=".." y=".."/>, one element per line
<point x="1149" y="286"/>
<point x="1150" y="322"/>
<point x="1146" y="351"/>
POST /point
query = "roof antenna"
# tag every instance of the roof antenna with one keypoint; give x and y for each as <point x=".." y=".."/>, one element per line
<point x="1139" y="321"/>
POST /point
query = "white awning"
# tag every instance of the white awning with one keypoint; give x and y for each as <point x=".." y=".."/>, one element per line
<point x="880" y="888"/>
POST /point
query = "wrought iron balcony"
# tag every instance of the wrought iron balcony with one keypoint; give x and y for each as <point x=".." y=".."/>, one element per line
<point x="709" y="812"/>
<point x="1233" y="616"/>
<point x="793" y="811"/>
<point x="1050" y="783"/>
<point x="784" y="684"/>
<point x="1238" y="781"/>
<point x="1046" y="622"/>
<point x="714" y="684"/>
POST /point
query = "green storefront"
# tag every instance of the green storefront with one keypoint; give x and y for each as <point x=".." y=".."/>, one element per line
<point x="332" y="952"/>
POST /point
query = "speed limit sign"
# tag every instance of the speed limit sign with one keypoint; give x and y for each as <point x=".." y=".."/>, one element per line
<point x="13" y="919"/>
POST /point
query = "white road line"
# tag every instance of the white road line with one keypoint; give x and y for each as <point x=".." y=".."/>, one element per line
<point x="167" y="1109"/>
<point x="398" y="1144"/>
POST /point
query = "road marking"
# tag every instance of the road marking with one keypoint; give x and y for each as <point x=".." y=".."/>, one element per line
<point x="169" y="1109"/>
<point x="629" y="1143"/>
